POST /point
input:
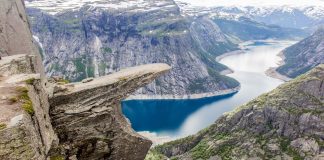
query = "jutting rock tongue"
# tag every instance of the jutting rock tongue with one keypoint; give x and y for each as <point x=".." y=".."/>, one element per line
<point x="45" y="120"/>
<point x="88" y="120"/>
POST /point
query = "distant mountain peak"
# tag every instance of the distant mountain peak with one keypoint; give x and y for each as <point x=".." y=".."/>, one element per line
<point x="56" y="6"/>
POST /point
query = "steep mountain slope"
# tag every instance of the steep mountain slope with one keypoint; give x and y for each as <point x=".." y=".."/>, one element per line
<point x="304" y="55"/>
<point x="285" y="123"/>
<point x="248" y="29"/>
<point x="100" y="37"/>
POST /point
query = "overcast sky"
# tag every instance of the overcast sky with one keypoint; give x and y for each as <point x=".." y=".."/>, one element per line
<point x="299" y="3"/>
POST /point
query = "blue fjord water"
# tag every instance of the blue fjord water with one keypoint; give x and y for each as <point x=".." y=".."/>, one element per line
<point x="179" y="118"/>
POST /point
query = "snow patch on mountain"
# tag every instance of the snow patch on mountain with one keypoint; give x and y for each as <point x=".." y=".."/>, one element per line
<point x="56" y="6"/>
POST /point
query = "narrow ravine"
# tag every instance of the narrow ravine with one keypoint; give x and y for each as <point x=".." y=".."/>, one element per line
<point x="162" y="120"/>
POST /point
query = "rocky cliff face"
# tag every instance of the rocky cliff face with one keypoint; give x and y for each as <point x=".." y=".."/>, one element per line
<point x="14" y="29"/>
<point x="77" y="121"/>
<point x="247" y="29"/>
<point x="88" y="120"/>
<point x="304" y="55"/>
<point x="286" y="123"/>
<point x="99" y="38"/>
<point x="49" y="119"/>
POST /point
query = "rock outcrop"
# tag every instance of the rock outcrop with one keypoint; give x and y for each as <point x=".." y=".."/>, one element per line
<point x="81" y="120"/>
<point x="87" y="116"/>
<point x="26" y="131"/>
<point x="304" y="55"/>
<point x="286" y="123"/>
<point x="49" y="119"/>
<point x="15" y="35"/>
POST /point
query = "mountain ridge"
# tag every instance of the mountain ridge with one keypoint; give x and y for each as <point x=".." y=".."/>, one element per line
<point x="286" y="123"/>
<point x="304" y="55"/>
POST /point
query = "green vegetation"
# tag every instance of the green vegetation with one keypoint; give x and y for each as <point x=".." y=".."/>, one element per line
<point x="171" y="144"/>
<point x="319" y="141"/>
<point x="57" y="158"/>
<point x="63" y="81"/>
<point x="102" y="68"/>
<point x="202" y="151"/>
<point x="30" y="81"/>
<point x="122" y="78"/>
<point x="79" y="65"/>
<point x="285" y="147"/>
<point x="197" y="85"/>
<point x="106" y="50"/>
<point x="56" y="67"/>
<point x="296" y="63"/>
<point x="71" y="21"/>
<point x="261" y="140"/>
<point x="218" y="77"/>
<point x="13" y="100"/>
<point x="225" y="151"/>
<point x="220" y="136"/>
<point x="25" y="99"/>
<point x="84" y="67"/>
<point x="80" y="68"/>
<point x="28" y="107"/>
<point x="90" y="71"/>
<point x="154" y="155"/>
<point x="2" y="126"/>
<point x="166" y="27"/>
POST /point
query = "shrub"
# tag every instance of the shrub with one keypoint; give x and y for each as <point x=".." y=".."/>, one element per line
<point x="13" y="100"/>
<point x="30" y="81"/>
<point x="63" y="81"/>
<point x="57" y="158"/>
<point x="123" y="78"/>
<point x="27" y="103"/>
<point x="2" y="126"/>
<point x="28" y="107"/>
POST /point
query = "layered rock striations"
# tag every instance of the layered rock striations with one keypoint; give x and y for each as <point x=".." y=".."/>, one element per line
<point x="87" y="116"/>
<point x="78" y="120"/>
<point x="286" y="123"/>
<point x="50" y="119"/>
<point x="304" y="55"/>
<point x="20" y="133"/>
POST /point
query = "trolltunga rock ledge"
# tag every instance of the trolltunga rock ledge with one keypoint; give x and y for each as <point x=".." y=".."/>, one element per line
<point x="87" y="115"/>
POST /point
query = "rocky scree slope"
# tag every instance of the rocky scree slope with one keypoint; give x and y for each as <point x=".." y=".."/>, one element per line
<point x="100" y="38"/>
<point x="50" y="119"/>
<point x="304" y="55"/>
<point x="286" y="123"/>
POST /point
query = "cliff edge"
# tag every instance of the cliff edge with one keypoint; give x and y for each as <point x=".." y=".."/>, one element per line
<point x="52" y="119"/>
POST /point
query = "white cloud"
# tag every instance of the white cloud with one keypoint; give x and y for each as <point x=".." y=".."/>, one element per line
<point x="215" y="3"/>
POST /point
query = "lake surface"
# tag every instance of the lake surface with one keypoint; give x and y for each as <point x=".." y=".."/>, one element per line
<point x="179" y="118"/>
